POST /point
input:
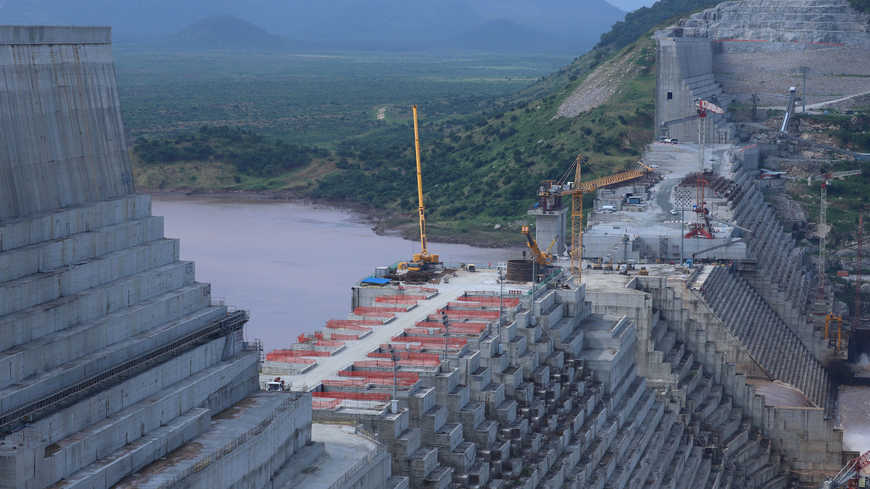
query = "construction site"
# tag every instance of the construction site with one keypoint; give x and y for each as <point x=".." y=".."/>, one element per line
<point x="677" y="334"/>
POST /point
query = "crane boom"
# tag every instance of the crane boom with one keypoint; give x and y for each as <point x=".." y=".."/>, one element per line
<point x="424" y="250"/>
<point x="543" y="258"/>
<point x="577" y="221"/>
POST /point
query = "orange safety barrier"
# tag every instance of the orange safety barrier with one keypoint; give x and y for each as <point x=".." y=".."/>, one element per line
<point x="353" y="396"/>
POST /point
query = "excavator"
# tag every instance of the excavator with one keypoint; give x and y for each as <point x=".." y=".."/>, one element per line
<point x="854" y="475"/>
<point x="423" y="260"/>
<point x="543" y="258"/>
<point x="551" y="192"/>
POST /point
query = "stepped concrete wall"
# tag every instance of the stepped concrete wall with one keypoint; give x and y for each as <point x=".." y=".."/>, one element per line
<point x="60" y="126"/>
<point x="554" y="399"/>
<point x="806" y="436"/>
<point x="684" y="73"/>
<point x="760" y="47"/>
<point x="114" y="358"/>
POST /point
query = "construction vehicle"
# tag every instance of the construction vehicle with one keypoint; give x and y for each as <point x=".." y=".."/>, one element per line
<point x="789" y="110"/>
<point x="544" y="258"/>
<point x="551" y="192"/>
<point x="829" y="318"/>
<point x="854" y="475"/>
<point x="423" y="260"/>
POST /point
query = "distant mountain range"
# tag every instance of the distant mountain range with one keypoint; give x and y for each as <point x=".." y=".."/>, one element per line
<point x="568" y="25"/>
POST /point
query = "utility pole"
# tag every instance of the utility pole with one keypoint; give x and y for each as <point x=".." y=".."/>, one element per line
<point x="856" y="313"/>
<point x="754" y="107"/>
<point x="501" y="294"/>
<point x="444" y="323"/>
<point x="823" y="227"/>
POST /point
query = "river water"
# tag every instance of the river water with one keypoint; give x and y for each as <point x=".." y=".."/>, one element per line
<point x="290" y="265"/>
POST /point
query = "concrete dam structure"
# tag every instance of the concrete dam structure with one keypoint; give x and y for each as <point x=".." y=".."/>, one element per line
<point x="116" y="368"/>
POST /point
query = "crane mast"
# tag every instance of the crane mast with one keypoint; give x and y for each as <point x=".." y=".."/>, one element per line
<point x="577" y="221"/>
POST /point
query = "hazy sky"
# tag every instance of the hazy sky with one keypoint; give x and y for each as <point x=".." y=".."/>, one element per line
<point x="629" y="5"/>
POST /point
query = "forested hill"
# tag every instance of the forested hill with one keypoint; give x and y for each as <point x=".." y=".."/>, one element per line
<point x="480" y="169"/>
<point x="486" y="167"/>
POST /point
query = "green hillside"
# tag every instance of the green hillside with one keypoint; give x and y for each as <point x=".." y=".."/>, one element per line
<point x="482" y="169"/>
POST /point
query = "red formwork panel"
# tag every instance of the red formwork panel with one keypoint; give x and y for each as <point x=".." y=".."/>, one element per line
<point x="290" y="359"/>
<point x="471" y="306"/>
<point x="344" y="336"/>
<point x="376" y="310"/>
<point x="490" y="300"/>
<point x="430" y="340"/>
<point x="379" y="374"/>
<point x="325" y="403"/>
<point x="388" y="364"/>
<point x="349" y="327"/>
<point x="455" y="327"/>
<point x="352" y="323"/>
<point x="400" y="299"/>
<point x="353" y="396"/>
<point x="293" y="356"/>
<point x="373" y="312"/>
<point x="362" y="383"/>
<point x="466" y="313"/>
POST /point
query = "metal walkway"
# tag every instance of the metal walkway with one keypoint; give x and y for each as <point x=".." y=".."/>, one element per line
<point x="41" y="408"/>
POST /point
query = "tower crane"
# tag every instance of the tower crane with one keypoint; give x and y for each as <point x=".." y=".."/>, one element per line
<point x="552" y="191"/>
<point x="701" y="227"/>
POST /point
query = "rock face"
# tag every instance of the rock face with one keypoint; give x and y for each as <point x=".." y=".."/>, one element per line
<point x="798" y="24"/>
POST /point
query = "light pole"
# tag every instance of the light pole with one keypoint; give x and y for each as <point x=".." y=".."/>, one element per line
<point x="804" y="70"/>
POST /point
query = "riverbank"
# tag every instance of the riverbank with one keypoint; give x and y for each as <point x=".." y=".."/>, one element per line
<point x="382" y="223"/>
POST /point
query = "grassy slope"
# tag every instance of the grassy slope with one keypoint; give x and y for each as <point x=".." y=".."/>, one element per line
<point x="486" y="168"/>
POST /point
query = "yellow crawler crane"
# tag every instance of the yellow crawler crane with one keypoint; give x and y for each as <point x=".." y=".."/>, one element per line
<point x="423" y="258"/>
<point x="543" y="258"/>
<point x="576" y="191"/>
